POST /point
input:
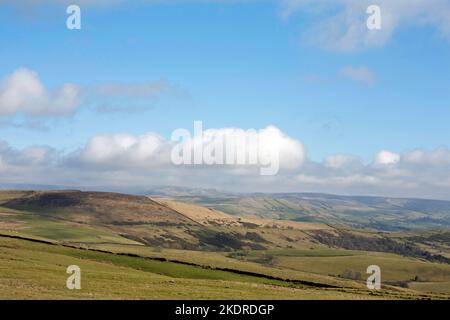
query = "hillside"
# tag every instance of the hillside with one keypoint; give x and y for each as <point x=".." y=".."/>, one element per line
<point x="375" y="213"/>
<point x="314" y="254"/>
<point x="31" y="270"/>
<point x="75" y="216"/>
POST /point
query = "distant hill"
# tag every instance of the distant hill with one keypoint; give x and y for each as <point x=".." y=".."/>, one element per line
<point x="372" y="213"/>
<point x="74" y="216"/>
<point x="174" y="191"/>
<point x="97" y="207"/>
<point x="377" y="213"/>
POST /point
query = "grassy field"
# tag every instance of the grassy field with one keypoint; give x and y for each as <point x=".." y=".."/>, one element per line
<point x="223" y="260"/>
<point x="396" y="270"/>
<point x="31" y="270"/>
<point x="126" y="250"/>
<point x="380" y="213"/>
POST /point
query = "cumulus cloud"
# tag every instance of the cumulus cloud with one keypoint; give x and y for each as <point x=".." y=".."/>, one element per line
<point x="130" y="162"/>
<point x="23" y="92"/>
<point x="359" y="74"/>
<point x="341" y="24"/>
<point x="415" y="173"/>
<point x="264" y="143"/>
<point x="240" y="150"/>
<point x="386" y="158"/>
<point x="123" y="150"/>
<point x="340" y="161"/>
<point x="440" y="157"/>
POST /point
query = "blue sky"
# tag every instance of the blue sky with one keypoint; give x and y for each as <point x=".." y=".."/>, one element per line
<point x="247" y="64"/>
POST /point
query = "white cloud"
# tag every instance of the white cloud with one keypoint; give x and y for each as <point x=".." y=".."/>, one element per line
<point x="270" y="142"/>
<point x="335" y="24"/>
<point x="439" y="157"/>
<point x="386" y="158"/>
<point x="130" y="162"/>
<point x="341" y="24"/>
<point x="340" y="161"/>
<point x="122" y="150"/>
<point x="23" y="92"/>
<point x="359" y="74"/>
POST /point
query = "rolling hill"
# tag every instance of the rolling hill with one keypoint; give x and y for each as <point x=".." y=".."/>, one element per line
<point x="75" y="216"/>
<point x="375" y="213"/>
<point x="138" y="232"/>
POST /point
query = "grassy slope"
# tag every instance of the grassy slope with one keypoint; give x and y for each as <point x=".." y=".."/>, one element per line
<point x="222" y="260"/>
<point x="37" y="271"/>
<point x="76" y="217"/>
<point x="395" y="269"/>
<point x="380" y="213"/>
<point x="301" y="262"/>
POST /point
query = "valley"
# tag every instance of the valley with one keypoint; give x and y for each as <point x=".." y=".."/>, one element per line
<point x="162" y="247"/>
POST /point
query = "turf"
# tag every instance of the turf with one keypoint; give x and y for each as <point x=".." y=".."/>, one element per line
<point x="31" y="270"/>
